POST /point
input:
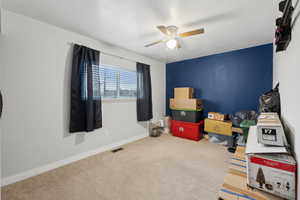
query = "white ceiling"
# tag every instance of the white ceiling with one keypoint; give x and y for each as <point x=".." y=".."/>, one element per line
<point x="130" y="24"/>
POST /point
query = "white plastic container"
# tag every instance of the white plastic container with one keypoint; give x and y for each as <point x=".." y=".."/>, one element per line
<point x="270" y="130"/>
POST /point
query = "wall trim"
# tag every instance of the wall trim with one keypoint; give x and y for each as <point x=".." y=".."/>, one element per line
<point x="39" y="170"/>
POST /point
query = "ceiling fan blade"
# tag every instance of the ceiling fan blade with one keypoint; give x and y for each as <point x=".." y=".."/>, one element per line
<point x="154" y="43"/>
<point x="190" y="33"/>
<point x="163" y="29"/>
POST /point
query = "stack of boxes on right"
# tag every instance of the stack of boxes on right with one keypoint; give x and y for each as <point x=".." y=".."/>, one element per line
<point x="265" y="169"/>
<point x="270" y="166"/>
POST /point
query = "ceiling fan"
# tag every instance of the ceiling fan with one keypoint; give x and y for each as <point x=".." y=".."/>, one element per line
<point x="172" y="35"/>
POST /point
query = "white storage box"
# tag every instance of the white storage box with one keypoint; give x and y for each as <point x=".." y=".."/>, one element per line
<point x="270" y="130"/>
<point x="253" y="146"/>
<point x="273" y="173"/>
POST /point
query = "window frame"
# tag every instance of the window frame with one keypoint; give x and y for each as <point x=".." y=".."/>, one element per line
<point x="117" y="99"/>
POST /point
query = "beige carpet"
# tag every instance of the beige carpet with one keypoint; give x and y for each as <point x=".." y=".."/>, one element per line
<point x="164" y="168"/>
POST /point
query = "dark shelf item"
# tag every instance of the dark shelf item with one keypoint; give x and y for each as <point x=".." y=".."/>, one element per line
<point x="283" y="32"/>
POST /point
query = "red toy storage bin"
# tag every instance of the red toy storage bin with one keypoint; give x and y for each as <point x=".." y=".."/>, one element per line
<point x="188" y="130"/>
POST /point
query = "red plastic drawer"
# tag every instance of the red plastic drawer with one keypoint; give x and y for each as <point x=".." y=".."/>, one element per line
<point x="188" y="130"/>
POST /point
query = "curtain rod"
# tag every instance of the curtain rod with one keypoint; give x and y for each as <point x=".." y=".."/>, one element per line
<point x="108" y="54"/>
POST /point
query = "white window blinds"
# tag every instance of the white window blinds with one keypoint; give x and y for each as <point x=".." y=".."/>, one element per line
<point x="117" y="83"/>
<point x="111" y="82"/>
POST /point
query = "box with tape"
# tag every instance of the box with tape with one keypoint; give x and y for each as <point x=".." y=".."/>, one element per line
<point x="185" y="104"/>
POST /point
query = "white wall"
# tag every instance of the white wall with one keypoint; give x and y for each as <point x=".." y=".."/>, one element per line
<point x="286" y="71"/>
<point x="1" y="74"/>
<point x="36" y="60"/>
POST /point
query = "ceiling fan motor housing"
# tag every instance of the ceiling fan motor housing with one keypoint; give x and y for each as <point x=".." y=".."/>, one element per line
<point x="172" y="30"/>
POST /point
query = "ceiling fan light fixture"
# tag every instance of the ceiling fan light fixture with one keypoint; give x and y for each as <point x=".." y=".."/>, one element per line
<point x="171" y="36"/>
<point x="172" y="43"/>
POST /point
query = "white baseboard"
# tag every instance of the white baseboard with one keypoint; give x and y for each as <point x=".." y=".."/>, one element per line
<point x="54" y="165"/>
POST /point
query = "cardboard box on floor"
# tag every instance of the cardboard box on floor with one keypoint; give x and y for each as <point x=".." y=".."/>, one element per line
<point x="273" y="173"/>
<point x="219" y="127"/>
<point x="183" y="93"/>
<point x="238" y="163"/>
<point x="240" y="153"/>
<point x="270" y="168"/>
<point x="235" y="188"/>
<point x="235" y="183"/>
<point x="186" y="104"/>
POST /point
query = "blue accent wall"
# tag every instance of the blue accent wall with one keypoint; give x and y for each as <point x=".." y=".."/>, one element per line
<point x="227" y="82"/>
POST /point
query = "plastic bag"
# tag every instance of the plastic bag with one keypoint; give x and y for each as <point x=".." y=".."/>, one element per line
<point x="220" y="139"/>
<point x="155" y="129"/>
<point x="270" y="101"/>
<point x="238" y="117"/>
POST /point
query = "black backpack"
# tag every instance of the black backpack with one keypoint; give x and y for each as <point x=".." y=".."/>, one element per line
<point x="270" y="101"/>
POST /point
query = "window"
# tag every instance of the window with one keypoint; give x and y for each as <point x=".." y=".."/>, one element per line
<point x="115" y="83"/>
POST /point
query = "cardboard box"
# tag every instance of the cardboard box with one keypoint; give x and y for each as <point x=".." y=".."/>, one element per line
<point x="186" y="104"/>
<point x="237" y="130"/>
<point x="219" y="127"/>
<point x="235" y="188"/>
<point x="217" y="116"/>
<point x="238" y="163"/>
<point x="235" y="182"/>
<point x="275" y="166"/>
<point x="238" y="166"/>
<point x="273" y="173"/>
<point x="183" y="93"/>
<point x="240" y="153"/>
<point x="270" y="130"/>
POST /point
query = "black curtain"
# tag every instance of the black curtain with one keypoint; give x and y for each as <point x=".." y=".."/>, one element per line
<point x="85" y="113"/>
<point x="1" y="104"/>
<point x="144" y="93"/>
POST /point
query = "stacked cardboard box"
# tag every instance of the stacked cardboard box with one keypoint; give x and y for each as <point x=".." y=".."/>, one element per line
<point x="184" y="100"/>
<point x="260" y="171"/>
<point x="187" y="114"/>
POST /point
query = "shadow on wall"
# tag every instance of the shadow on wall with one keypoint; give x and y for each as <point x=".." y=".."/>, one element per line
<point x="296" y="15"/>
<point x="144" y="124"/>
<point x="66" y="92"/>
<point x="289" y="132"/>
<point x="213" y="19"/>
